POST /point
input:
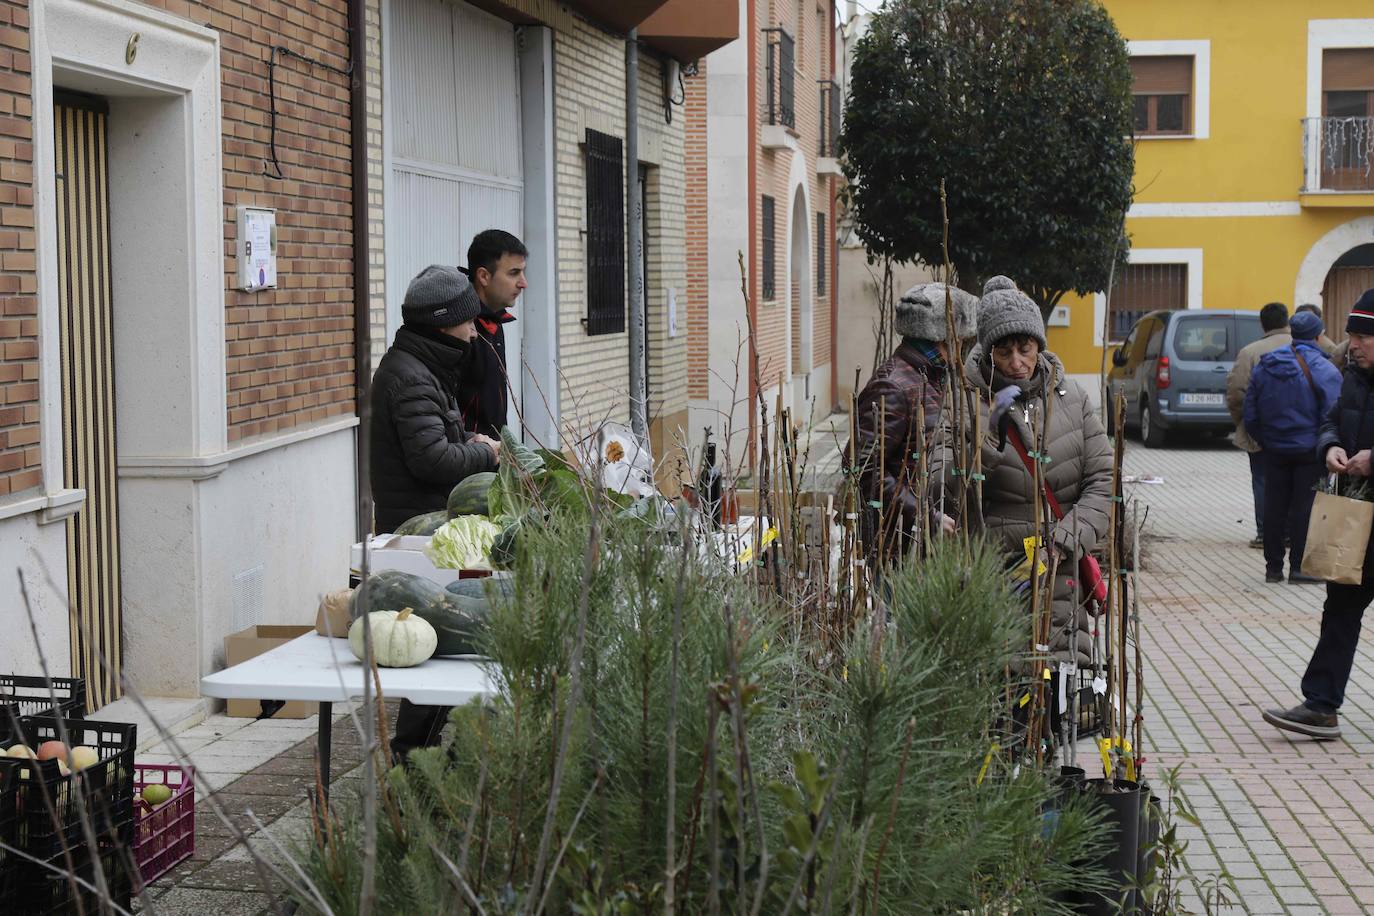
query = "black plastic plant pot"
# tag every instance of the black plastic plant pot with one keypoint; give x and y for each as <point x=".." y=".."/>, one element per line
<point x="1151" y="820"/>
<point x="1121" y="803"/>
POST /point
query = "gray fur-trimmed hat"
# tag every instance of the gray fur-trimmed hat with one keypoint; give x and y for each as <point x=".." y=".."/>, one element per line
<point x="1005" y="311"/>
<point x="920" y="313"/>
<point x="440" y="297"/>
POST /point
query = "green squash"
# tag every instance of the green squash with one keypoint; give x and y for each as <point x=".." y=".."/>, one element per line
<point x="459" y="622"/>
<point x="423" y="525"/>
<point x="500" y="587"/>
<point x="469" y="497"/>
<point x="393" y="590"/>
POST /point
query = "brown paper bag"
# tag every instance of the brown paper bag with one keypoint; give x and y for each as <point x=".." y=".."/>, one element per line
<point x="1337" y="536"/>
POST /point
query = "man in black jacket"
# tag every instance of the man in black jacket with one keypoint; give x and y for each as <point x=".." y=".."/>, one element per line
<point x="496" y="265"/>
<point x="1343" y="446"/>
<point x="420" y="447"/>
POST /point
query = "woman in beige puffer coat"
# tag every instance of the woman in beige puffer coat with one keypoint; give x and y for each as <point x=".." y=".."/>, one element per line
<point x="1011" y="351"/>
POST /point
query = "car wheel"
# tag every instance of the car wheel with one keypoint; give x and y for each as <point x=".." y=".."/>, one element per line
<point x="1150" y="432"/>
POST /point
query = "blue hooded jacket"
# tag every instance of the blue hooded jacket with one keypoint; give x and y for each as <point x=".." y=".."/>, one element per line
<point x="1282" y="411"/>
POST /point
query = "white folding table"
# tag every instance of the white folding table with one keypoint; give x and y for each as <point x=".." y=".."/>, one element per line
<point x="318" y="669"/>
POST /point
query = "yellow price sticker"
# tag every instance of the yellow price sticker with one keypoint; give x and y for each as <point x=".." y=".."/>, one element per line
<point x="1031" y="543"/>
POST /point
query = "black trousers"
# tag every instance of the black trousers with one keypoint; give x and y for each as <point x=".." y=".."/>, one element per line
<point x="1323" y="684"/>
<point x="417" y="726"/>
<point x="1288" y="493"/>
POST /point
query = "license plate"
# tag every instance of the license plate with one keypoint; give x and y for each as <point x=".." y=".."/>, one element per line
<point x="1202" y="400"/>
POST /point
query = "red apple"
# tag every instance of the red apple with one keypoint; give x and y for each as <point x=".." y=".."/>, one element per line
<point x="52" y="750"/>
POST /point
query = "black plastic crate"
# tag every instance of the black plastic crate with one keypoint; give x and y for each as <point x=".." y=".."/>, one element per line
<point x="57" y="895"/>
<point x="9" y="833"/>
<point x="32" y="696"/>
<point x="52" y="807"/>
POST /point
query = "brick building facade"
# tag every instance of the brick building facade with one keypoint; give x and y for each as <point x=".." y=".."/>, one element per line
<point x="763" y="115"/>
<point x="177" y="432"/>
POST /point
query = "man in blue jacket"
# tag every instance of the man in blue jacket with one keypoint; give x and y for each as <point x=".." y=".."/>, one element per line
<point x="1290" y="391"/>
<point x="1344" y="443"/>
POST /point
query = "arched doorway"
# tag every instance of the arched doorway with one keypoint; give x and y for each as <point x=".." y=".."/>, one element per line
<point x="802" y="318"/>
<point x="1349" y="277"/>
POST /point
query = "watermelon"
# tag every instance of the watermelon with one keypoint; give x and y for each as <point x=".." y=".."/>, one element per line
<point x="425" y="524"/>
<point x="469" y="497"/>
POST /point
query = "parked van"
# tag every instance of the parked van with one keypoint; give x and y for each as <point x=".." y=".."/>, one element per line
<point x="1172" y="369"/>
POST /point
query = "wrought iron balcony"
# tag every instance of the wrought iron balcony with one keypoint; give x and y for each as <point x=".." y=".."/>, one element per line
<point x="782" y="77"/>
<point x="1338" y="154"/>
<point x="830" y="118"/>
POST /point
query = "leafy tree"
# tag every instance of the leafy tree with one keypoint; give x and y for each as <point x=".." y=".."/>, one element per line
<point x="1023" y="109"/>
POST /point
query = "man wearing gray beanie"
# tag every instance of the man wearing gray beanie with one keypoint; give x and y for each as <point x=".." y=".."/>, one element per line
<point x="419" y="446"/>
<point x="899" y="412"/>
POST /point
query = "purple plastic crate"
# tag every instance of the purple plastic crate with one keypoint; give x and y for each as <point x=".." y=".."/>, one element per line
<point x="164" y="836"/>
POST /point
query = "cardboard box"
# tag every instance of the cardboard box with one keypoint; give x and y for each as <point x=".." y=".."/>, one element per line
<point x="250" y="643"/>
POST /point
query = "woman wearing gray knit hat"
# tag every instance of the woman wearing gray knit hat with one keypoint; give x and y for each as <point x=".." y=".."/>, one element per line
<point x="899" y="412"/>
<point x="1022" y="385"/>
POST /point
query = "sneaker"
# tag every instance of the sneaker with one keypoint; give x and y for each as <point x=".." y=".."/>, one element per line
<point x="1305" y="721"/>
<point x="1297" y="578"/>
<point x="1273" y="577"/>
<point x="1257" y="542"/>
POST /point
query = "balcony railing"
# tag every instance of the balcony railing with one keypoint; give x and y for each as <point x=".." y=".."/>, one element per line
<point x="1338" y="154"/>
<point x="782" y="77"/>
<point x="830" y="118"/>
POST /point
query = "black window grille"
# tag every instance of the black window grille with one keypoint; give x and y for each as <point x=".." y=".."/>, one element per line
<point x="769" y="243"/>
<point x="782" y="75"/>
<point x="821" y="247"/>
<point x="605" y="234"/>
<point x="830" y="118"/>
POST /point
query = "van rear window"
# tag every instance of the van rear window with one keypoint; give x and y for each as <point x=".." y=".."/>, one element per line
<point x="1206" y="338"/>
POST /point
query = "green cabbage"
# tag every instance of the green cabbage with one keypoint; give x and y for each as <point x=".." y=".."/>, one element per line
<point x="463" y="543"/>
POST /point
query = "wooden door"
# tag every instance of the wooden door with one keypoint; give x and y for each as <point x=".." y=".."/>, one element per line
<point x="84" y="307"/>
<point x="1343" y="288"/>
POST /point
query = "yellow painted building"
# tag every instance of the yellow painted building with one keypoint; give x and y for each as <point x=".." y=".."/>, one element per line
<point x="1253" y="163"/>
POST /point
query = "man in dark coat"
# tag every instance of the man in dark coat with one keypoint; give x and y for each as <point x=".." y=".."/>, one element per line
<point x="1344" y="444"/>
<point x="1290" y="392"/>
<point x="899" y="412"/>
<point x="419" y="446"/>
<point x="496" y="265"/>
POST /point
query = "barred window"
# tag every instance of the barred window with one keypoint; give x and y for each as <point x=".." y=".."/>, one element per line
<point x="605" y="234"/>
<point x="1142" y="288"/>
<point x="769" y="243"/>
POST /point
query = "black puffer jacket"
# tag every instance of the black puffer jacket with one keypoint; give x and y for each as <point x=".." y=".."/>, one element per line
<point x="419" y="448"/>
<point x="1350" y="422"/>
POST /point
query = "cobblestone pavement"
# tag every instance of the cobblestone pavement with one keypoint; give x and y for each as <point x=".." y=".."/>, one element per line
<point x="1290" y="819"/>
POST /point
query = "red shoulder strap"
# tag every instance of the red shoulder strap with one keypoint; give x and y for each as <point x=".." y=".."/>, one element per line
<point x="1015" y="436"/>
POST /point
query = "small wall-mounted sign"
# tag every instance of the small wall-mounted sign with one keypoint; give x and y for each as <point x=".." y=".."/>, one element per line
<point x="257" y="248"/>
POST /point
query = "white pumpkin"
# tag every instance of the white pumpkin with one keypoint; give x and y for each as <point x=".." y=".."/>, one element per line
<point x="399" y="639"/>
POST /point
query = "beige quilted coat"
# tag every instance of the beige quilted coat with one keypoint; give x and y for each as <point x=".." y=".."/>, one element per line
<point x="1079" y="474"/>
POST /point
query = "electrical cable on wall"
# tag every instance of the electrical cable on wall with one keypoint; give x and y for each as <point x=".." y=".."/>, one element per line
<point x="272" y="168"/>
<point x="668" y="100"/>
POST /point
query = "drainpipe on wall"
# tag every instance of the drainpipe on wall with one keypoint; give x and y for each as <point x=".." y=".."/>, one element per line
<point x="362" y="322"/>
<point x="638" y="395"/>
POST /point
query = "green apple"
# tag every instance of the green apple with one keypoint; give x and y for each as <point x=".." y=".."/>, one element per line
<point x="156" y="794"/>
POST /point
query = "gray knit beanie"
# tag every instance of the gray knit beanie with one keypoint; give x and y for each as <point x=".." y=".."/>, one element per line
<point x="1005" y="311"/>
<point x="440" y="297"/>
<point x="920" y="313"/>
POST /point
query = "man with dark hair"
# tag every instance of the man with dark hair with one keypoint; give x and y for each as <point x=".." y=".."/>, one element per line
<point x="1324" y="343"/>
<point x="496" y="264"/>
<point x="1274" y="322"/>
<point x="1343" y="445"/>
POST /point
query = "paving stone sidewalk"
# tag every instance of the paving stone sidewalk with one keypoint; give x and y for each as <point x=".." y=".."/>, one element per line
<point x="260" y="773"/>
<point x="1290" y="819"/>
